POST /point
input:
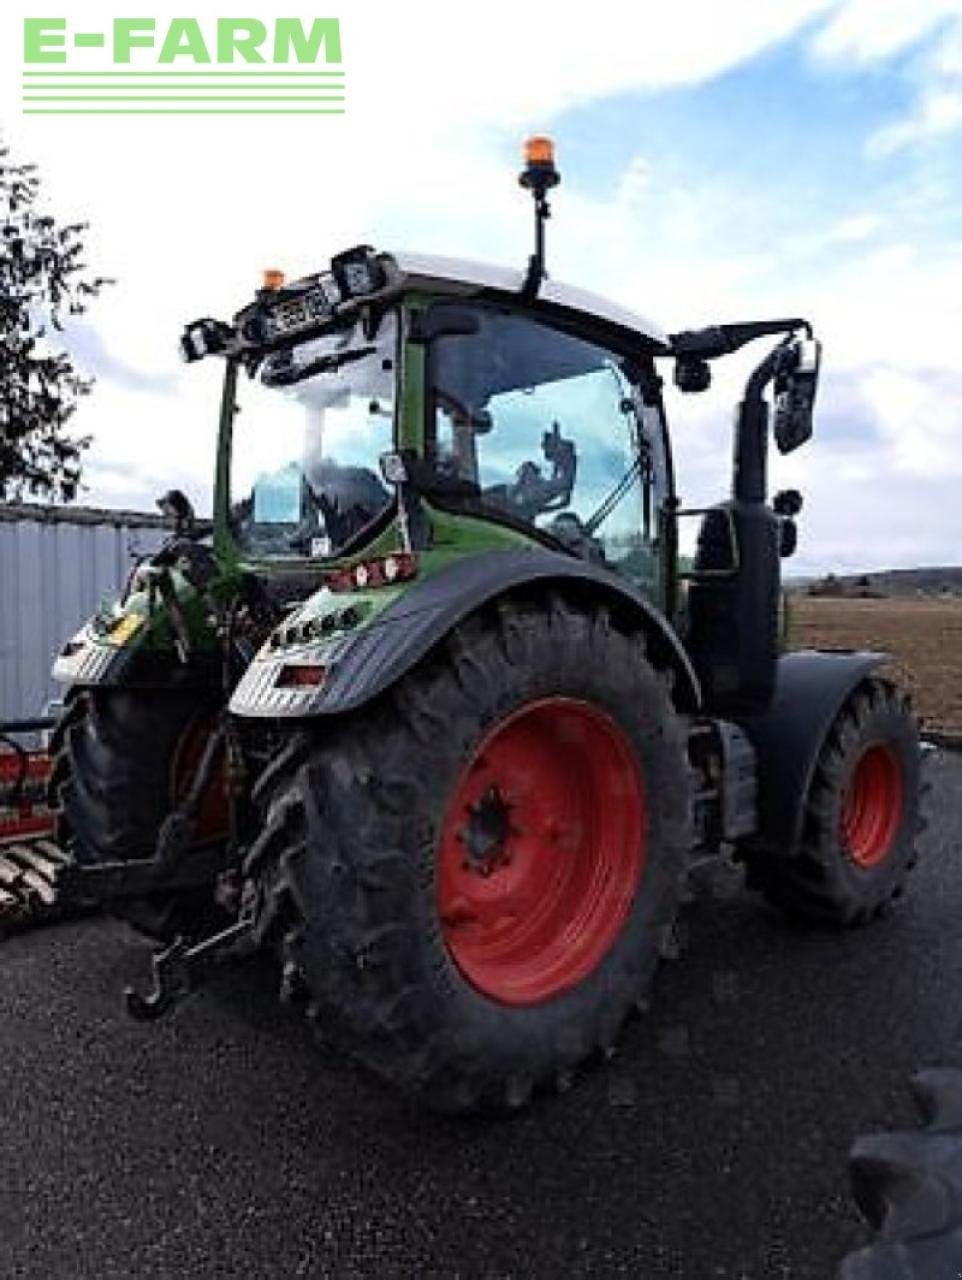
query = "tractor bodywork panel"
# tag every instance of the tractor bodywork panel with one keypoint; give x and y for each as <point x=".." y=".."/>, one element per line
<point x="434" y="274"/>
<point x="164" y="626"/>
<point x="811" y="687"/>
<point x="358" y="665"/>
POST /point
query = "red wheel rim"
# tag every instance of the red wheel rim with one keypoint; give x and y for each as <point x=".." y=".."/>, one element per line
<point x="541" y="851"/>
<point x="873" y="805"/>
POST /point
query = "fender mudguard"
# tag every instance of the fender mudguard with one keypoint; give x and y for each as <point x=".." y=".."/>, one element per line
<point x="811" y="687"/>
<point x="137" y="645"/>
<point x="89" y="662"/>
<point x="83" y="661"/>
<point x="377" y="656"/>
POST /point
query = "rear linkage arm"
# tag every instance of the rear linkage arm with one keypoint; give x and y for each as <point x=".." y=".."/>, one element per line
<point x="180" y="969"/>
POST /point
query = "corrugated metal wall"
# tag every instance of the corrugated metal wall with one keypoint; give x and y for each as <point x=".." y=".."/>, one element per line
<point x="56" y="565"/>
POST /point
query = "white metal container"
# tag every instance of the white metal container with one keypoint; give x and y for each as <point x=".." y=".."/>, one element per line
<point x="56" y="565"/>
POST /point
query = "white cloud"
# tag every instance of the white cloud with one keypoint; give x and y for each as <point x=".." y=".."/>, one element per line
<point x="918" y="411"/>
<point x="859" y="226"/>
<point x="635" y="181"/>
<point x="871" y="30"/>
<point x="939" y="112"/>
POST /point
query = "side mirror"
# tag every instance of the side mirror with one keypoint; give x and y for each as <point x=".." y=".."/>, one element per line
<point x="708" y="549"/>
<point x="795" y="389"/>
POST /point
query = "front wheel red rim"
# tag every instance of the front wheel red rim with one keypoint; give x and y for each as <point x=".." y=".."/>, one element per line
<point x="873" y="805"/>
<point x="541" y="851"/>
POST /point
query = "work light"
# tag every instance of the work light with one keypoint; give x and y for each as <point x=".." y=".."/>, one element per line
<point x="204" y="338"/>
<point x="357" y="271"/>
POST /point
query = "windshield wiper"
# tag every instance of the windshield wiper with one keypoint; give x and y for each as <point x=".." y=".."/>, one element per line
<point x="640" y="466"/>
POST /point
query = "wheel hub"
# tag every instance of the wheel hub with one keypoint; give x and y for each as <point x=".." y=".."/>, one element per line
<point x="486" y="833"/>
<point x="541" y="851"/>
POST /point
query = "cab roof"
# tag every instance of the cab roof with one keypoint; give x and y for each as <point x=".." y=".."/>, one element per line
<point x="430" y="272"/>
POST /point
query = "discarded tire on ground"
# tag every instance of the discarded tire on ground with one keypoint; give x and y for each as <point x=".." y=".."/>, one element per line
<point x="909" y="1187"/>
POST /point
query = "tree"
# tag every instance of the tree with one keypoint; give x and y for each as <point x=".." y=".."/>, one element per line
<point x="43" y="280"/>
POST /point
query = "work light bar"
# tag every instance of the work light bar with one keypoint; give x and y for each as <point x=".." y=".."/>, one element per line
<point x="281" y="308"/>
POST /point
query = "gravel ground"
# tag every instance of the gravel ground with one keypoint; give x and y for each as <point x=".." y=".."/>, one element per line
<point x="219" y="1143"/>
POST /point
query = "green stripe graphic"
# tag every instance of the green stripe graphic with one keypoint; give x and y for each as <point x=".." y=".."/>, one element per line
<point x="187" y="97"/>
<point x="183" y="111"/>
<point x="264" y="74"/>
<point x="262" y="89"/>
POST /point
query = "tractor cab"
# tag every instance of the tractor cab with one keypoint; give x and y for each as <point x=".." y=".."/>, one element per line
<point x="433" y="407"/>
<point x="538" y="418"/>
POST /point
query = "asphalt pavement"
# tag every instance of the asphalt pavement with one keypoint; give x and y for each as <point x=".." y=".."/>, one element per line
<point x="221" y="1143"/>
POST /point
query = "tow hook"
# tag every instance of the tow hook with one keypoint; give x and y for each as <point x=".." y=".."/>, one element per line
<point x="180" y="969"/>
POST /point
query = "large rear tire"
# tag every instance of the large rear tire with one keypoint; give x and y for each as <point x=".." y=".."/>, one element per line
<point x="861" y="817"/>
<point x="123" y="758"/>
<point x="475" y="877"/>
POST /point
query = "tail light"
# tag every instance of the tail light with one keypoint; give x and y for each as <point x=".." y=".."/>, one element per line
<point x="300" y="676"/>
<point x="385" y="571"/>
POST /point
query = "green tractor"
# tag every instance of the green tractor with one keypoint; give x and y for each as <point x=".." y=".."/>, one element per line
<point x="435" y="708"/>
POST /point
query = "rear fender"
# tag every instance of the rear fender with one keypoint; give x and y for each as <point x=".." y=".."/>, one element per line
<point x="134" y="641"/>
<point x="375" y="657"/>
<point x="811" y="688"/>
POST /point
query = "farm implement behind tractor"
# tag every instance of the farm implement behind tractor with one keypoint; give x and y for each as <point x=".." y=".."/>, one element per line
<point x="32" y="865"/>
<point x="434" y="708"/>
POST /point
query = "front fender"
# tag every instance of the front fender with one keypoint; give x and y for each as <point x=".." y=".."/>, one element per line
<point x="811" y="687"/>
<point x="132" y="642"/>
<point x="366" y="663"/>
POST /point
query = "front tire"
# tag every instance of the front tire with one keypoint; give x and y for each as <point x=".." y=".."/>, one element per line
<point x="861" y="817"/>
<point x="475" y="876"/>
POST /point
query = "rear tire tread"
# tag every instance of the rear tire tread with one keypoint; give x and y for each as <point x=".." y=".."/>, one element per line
<point x="347" y="887"/>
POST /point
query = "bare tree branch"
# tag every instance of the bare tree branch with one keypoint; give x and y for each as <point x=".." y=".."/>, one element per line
<point x="42" y="281"/>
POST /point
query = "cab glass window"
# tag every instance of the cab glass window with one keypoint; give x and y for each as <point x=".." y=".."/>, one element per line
<point x="545" y="429"/>
<point x="310" y="425"/>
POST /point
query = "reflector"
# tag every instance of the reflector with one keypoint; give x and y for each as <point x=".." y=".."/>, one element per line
<point x="300" y="676"/>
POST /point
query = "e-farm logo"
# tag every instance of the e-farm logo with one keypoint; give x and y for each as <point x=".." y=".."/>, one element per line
<point x="142" y="66"/>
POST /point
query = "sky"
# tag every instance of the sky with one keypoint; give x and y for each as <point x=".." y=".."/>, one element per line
<point x="720" y="162"/>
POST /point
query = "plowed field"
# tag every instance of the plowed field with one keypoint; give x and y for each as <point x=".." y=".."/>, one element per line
<point x="923" y="635"/>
